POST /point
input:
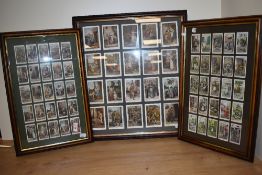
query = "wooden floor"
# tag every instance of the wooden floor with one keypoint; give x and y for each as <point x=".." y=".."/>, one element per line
<point x="161" y="156"/>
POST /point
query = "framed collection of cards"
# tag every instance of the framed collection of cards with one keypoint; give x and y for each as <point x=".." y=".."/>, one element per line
<point x="132" y="72"/>
<point x="136" y="75"/>
<point x="220" y="102"/>
<point x="45" y="89"/>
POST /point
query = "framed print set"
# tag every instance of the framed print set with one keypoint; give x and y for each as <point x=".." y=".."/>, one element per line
<point x="45" y="89"/>
<point x="221" y="85"/>
<point x="132" y="72"/>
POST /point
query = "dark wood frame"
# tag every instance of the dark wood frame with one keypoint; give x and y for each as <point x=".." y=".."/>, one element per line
<point x="83" y="137"/>
<point x="81" y="21"/>
<point x="246" y="153"/>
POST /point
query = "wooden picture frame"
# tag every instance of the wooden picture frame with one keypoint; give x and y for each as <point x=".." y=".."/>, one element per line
<point x="44" y="84"/>
<point x="122" y="51"/>
<point x="221" y="86"/>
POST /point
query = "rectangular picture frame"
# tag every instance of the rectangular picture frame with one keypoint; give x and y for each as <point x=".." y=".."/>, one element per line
<point x="138" y="52"/>
<point x="233" y="89"/>
<point x="45" y="88"/>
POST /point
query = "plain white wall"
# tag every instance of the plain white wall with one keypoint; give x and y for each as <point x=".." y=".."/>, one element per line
<point x="18" y="15"/>
<point x="240" y="8"/>
<point x="44" y="14"/>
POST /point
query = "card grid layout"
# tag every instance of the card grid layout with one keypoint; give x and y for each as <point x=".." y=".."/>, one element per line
<point x="47" y="88"/>
<point x="132" y="78"/>
<point x="217" y="85"/>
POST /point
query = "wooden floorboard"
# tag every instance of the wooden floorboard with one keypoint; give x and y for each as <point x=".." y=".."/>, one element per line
<point x="162" y="156"/>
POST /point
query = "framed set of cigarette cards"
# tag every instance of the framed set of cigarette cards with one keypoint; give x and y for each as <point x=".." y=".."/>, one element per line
<point x="221" y="84"/>
<point x="132" y="72"/>
<point x="46" y="94"/>
<point x="135" y="75"/>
